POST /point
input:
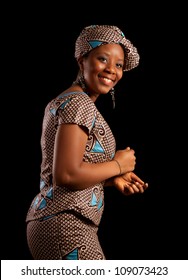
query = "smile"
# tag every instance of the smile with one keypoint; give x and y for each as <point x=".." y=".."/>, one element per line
<point x="106" y="81"/>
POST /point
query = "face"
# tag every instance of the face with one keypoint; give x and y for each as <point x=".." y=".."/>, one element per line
<point x="103" y="68"/>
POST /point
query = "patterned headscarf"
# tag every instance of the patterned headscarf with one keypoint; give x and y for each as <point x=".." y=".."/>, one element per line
<point x="96" y="35"/>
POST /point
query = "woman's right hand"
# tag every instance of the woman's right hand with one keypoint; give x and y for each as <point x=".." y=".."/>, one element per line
<point x="129" y="183"/>
<point x="126" y="159"/>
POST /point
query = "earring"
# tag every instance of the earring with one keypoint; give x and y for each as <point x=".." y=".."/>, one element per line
<point x="80" y="81"/>
<point x="112" y="92"/>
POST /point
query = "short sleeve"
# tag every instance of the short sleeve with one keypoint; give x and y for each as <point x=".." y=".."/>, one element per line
<point x="77" y="108"/>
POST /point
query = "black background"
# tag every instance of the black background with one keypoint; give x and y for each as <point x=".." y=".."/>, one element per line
<point x="39" y="63"/>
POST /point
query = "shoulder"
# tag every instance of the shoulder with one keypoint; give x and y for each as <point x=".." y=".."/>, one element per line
<point x="73" y="99"/>
<point x="73" y="95"/>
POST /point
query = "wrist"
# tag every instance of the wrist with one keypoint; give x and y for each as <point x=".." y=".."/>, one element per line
<point x="119" y="166"/>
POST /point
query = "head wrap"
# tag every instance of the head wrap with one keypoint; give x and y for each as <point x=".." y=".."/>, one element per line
<point x="96" y="35"/>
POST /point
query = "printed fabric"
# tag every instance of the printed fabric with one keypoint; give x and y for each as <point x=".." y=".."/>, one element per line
<point x="77" y="108"/>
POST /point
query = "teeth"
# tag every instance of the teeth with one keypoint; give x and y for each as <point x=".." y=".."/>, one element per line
<point x="106" y="79"/>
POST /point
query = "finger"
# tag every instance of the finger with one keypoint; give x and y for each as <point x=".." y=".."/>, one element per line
<point x="128" y="190"/>
<point x="140" y="187"/>
<point x="136" y="188"/>
<point x="145" y="185"/>
<point x="136" y="178"/>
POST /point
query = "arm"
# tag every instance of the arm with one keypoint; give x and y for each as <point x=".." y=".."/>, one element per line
<point x="68" y="166"/>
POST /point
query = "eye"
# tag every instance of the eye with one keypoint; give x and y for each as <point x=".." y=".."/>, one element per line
<point x="102" y="58"/>
<point x="119" y="65"/>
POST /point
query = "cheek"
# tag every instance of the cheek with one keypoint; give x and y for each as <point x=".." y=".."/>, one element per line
<point x="93" y="66"/>
<point x="92" y="70"/>
<point x="119" y="75"/>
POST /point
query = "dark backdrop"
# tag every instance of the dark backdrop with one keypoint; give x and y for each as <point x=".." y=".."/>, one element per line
<point x="39" y="61"/>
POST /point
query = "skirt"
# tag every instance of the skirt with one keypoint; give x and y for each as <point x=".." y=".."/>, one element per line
<point x="65" y="236"/>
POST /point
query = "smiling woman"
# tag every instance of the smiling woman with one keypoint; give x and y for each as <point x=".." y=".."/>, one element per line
<point x="79" y="156"/>
<point x="109" y="57"/>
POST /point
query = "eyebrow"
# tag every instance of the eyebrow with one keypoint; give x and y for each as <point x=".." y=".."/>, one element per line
<point x="107" y="54"/>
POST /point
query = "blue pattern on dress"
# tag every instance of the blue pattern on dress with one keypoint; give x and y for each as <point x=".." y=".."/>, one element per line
<point x="97" y="148"/>
<point x="42" y="203"/>
<point x="73" y="255"/>
<point x="42" y="184"/>
<point x="64" y="103"/>
<point x="53" y="111"/>
<point x="100" y="203"/>
<point x="49" y="193"/>
<point x="35" y="202"/>
<point x="93" y="200"/>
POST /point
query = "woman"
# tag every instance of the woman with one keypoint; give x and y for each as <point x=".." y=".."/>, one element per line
<point x="79" y="156"/>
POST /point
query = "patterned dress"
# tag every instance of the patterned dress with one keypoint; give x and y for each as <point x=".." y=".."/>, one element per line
<point x="63" y="223"/>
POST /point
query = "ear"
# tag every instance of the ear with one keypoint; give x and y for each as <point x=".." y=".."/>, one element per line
<point x="80" y="63"/>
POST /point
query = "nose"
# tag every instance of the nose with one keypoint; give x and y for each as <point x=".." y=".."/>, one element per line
<point x="110" y="68"/>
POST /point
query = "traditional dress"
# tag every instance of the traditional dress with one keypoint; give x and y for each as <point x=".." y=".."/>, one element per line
<point x="63" y="223"/>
